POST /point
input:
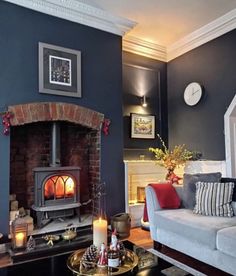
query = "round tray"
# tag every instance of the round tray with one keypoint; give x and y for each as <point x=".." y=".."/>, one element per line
<point x="130" y="262"/>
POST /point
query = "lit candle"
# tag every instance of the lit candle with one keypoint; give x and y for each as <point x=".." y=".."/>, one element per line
<point x="99" y="232"/>
<point x="20" y="239"/>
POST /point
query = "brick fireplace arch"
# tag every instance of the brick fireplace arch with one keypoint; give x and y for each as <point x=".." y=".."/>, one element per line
<point x="30" y="145"/>
<point x="47" y="111"/>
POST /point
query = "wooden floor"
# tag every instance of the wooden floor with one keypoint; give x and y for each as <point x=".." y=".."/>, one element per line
<point x="141" y="238"/>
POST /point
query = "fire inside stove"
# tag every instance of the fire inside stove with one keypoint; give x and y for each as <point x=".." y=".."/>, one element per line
<point x="59" y="187"/>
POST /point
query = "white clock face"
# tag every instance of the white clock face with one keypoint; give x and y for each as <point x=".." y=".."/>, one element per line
<point x="193" y="93"/>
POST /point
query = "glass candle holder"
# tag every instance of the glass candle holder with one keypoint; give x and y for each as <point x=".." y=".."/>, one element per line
<point x="19" y="233"/>
<point x="99" y="217"/>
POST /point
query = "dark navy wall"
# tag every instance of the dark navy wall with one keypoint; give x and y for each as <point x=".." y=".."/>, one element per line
<point x="201" y="127"/>
<point x="21" y="30"/>
<point x="142" y="75"/>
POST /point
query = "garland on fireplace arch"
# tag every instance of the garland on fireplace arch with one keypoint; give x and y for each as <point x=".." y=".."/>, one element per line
<point x="6" y="121"/>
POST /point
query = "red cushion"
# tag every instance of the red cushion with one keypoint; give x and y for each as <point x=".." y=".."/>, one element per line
<point x="166" y="195"/>
<point x="145" y="214"/>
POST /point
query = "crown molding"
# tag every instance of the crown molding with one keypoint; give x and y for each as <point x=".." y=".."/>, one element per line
<point x="76" y="11"/>
<point x="203" y="35"/>
<point x="144" y="48"/>
<point x="195" y="39"/>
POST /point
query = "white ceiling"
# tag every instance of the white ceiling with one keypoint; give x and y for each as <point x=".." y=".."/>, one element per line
<point x="164" y="22"/>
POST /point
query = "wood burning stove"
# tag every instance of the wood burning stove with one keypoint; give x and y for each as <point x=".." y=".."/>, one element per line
<point x="57" y="193"/>
<point x="56" y="188"/>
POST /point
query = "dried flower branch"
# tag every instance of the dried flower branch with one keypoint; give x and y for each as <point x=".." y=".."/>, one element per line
<point x="171" y="159"/>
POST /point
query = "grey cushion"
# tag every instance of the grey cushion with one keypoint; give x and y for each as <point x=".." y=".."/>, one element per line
<point x="233" y="204"/>
<point x="214" y="199"/>
<point x="226" y="241"/>
<point x="200" y="229"/>
<point x="189" y="186"/>
<point x="229" y="179"/>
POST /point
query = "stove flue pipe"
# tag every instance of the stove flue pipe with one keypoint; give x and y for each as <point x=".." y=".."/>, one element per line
<point x="55" y="145"/>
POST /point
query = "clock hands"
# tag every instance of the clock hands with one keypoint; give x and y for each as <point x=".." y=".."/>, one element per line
<point x="194" y="92"/>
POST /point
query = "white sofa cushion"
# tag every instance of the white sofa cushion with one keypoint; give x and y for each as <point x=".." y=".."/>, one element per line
<point x="226" y="241"/>
<point x="202" y="229"/>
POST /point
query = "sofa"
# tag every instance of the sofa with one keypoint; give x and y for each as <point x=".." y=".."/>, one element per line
<point x="210" y="239"/>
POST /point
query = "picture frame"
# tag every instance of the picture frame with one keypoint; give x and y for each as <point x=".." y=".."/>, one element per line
<point x="142" y="126"/>
<point x="59" y="70"/>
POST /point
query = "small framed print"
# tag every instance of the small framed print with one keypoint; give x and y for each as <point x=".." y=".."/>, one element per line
<point x="142" y="126"/>
<point x="59" y="70"/>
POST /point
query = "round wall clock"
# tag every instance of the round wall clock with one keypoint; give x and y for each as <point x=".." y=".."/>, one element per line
<point x="193" y="93"/>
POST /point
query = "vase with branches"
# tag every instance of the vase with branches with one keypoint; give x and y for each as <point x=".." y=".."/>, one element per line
<point x="171" y="158"/>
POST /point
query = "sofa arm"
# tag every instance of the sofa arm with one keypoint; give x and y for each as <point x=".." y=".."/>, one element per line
<point x="153" y="206"/>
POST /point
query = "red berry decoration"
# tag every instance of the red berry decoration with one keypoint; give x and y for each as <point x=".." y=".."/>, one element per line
<point x="6" y="122"/>
<point x="105" y="126"/>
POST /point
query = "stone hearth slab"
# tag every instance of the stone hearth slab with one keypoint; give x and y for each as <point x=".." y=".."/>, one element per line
<point x="59" y="225"/>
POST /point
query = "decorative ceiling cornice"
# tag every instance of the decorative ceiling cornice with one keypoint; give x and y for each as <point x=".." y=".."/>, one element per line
<point x="144" y="48"/>
<point x="197" y="38"/>
<point x="76" y="11"/>
<point x="203" y="35"/>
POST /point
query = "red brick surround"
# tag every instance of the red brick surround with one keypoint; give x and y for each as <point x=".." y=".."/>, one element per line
<point x="30" y="145"/>
<point x="45" y="111"/>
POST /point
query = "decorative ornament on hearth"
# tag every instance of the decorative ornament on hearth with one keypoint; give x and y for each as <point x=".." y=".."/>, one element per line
<point x="171" y="159"/>
<point x="51" y="239"/>
<point x="70" y="233"/>
<point x="30" y="244"/>
<point x="6" y="121"/>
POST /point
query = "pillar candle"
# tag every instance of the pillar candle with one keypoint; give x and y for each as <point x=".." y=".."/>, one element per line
<point x="19" y="239"/>
<point x="99" y="232"/>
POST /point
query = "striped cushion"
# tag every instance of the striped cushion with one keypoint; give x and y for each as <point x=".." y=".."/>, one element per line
<point x="214" y="199"/>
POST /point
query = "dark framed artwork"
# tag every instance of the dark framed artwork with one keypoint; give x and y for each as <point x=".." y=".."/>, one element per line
<point x="59" y="70"/>
<point x="142" y="126"/>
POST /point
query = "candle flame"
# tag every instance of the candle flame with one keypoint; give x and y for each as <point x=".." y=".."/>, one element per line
<point x="20" y="236"/>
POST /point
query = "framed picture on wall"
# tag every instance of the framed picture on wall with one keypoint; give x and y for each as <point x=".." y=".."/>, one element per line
<point x="142" y="126"/>
<point x="59" y="70"/>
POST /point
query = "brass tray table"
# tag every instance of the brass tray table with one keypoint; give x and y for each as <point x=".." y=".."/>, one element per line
<point x="129" y="263"/>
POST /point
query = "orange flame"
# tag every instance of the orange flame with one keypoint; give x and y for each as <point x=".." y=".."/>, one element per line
<point x="57" y="187"/>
